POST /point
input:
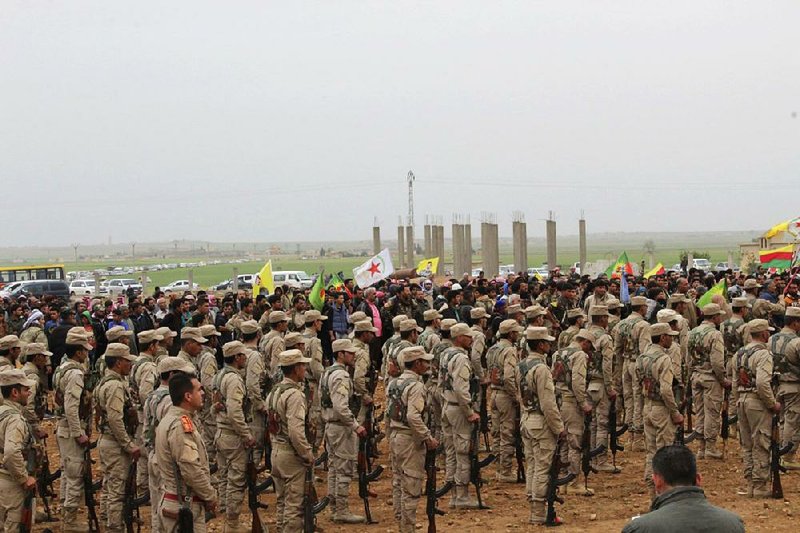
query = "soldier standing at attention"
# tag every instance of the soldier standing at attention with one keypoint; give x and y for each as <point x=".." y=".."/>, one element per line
<point x="575" y="320"/>
<point x="182" y="459"/>
<point x="388" y="346"/>
<point x="316" y="367"/>
<point x="755" y="401"/>
<point x="191" y="346"/>
<point x="601" y="382"/>
<point x="785" y="348"/>
<point x="430" y="335"/>
<point x="117" y="422"/>
<point x="410" y="437"/>
<point x="479" y="318"/>
<point x="36" y="358"/>
<point x="707" y="353"/>
<point x="291" y="451"/>
<point x="16" y="441"/>
<point x="501" y="361"/>
<point x="364" y="332"/>
<point x="540" y="423"/>
<point x="255" y="381"/>
<point x="143" y="380"/>
<point x="341" y="429"/>
<point x="165" y="345"/>
<point x="233" y="433"/>
<point x="272" y="343"/>
<point x="633" y="336"/>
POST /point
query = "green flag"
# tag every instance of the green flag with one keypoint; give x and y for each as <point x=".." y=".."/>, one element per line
<point x="719" y="288"/>
<point x="317" y="296"/>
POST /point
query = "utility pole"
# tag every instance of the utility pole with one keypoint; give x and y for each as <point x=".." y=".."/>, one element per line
<point x="75" y="249"/>
<point x="410" y="179"/>
<point x="133" y="251"/>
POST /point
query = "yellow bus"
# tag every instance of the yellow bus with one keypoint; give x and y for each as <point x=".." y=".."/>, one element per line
<point x="11" y="274"/>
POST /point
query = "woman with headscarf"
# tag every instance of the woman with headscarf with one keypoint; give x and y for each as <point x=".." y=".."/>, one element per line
<point x="33" y="329"/>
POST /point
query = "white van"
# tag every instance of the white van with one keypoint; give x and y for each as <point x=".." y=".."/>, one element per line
<point x="296" y="279"/>
<point x="702" y="264"/>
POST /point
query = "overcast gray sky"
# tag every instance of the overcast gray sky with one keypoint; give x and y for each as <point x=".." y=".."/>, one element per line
<point x="297" y="120"/>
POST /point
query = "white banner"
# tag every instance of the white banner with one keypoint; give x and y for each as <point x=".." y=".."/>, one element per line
<point x="374" y="270"/>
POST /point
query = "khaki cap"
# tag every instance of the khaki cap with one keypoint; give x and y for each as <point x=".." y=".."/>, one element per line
<point x="119" y="350"/>
<point x="793" y="312"/>
<point x="598" y="310"/>
<point x="513" y="309"/>
<point x="15" y="377"/>
<point x="758" y="325"/>
<point x="509" y="325"/>
<point x="358" y="316"/>
<point x="656" y="330"/>
<point x="613" y="303"/>
<point x="292" y="357"/>
<point x="193" y="334"/>
<point x="233" y="348"/>
<point x="536" y="333"/>
<point x="117" y="332"/>
<point x="277" y="316"/>
<point x="397" y="320"/>
<point x="534" y="310"/>
<point x="412" y="353"/>
<point x="35" y="348"/>
<point x="665" y="316"/>
<point x="292" y="339"/>
<point x="366" y="325"/>
<point x="476" y="313"/>
<point x="343" y="345"/>
<point x="149" y="335"/>
<point x="575" y="312"/>
<point x="740" y="301"/>
<point x="447" y="324"/>
<point x="461" y="329"/>
<point x="410" y="325"/>
<point x="312" y="315"/>
<point x="172" y="364"/>
<point x="677" y="298"/>
<point x="750" y="283"/>
<point x="208" y="330"/>
<point x="586" y="335"/>
<point x="710" y="310"/>
<point x="249" y="327"/>
<point x="10" y="341"/>
<point x="637" y="301"/>
<point x="165" y="332"/>
<point x="78" y="337"/>
<point x="431" y="314"/>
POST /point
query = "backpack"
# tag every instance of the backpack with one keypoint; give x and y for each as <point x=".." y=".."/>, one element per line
<point x="396" y="408"/>
<point x="778" y="345"/>
<point x="273" y="416"/>
<point x="562" y="369"/>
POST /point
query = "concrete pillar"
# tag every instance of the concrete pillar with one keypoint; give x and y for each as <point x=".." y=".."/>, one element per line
<point x="467" y="261"/>
<point x="97" y="284"/>
<point x="458" y="237"/>
<point x="235" y="279"/>
<point x="484" y="248"/>
<point x="494" y="264"/>
<point x="524" y="246"/>
<point x="552" y="259"/>
<point x="730" y="259"/>
<point x="190" y="277"/>
<point x="651" y="260"/>
<point x="376" y="239"/>
<point x="582" y="244"/>
<point x="689" y="261"/>
<point x="401" y="246"/>
<point x="440" y="248"/>
<point x="520" y="243"/>
<point x="410" y="247"/>
<point x="428" y="236"/>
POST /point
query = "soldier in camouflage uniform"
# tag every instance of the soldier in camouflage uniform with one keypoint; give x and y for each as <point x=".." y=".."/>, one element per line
<point x="733" y="328"/>
<point x="430" y="335"/>
<point x="388" y="346"/>
<point x="785" y="348"/>
<point x="601" y="384"/>
<point x="313" y="351"/>
<point x="272" y="343"/>
<point x="633" y="337"/>
<point x="501" y="361"/>
<point x="575" y="321"/>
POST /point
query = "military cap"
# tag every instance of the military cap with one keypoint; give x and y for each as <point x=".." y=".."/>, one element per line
<point x="677" y="298"/>
<point x="460" y="329"/>
<point x="208" y="330"/>
<point x="665" y="316"/>
<point x="598" y="310"/>
<point x="292" y="339"/>
<point x="535" y="333"/>
<point x="343" y="345"/>
<point x="710" y="310"/>
<point x="35" y="348"/>
<point x="613" y="303"/>
<point x="292" y="357"/>
<point x="312" y="315"/>
<point x="431" y="314"/>
<point x="249" y="326"/>
<point x="396" y="321"/>
<point x="233" y="348"/>
<point x="793" y="312"/>
<point x="149" y="335"/>
<point x="365" y="325"/>
<point x="117" y="332"/>
<point x="78" y="337"/>
<point x="758" y="325"/>
<point x="656" y="330"/>
<point x="412" y="353"/>
<point x="476" y="313"/>
<point x="357" y="317"/>
<point x="533" y="311"/>
<point x="410" y="325"/>
<point x="637" y="301"/>
<point x="15" y="376"/>
<point x="119" y="350"/>
<point x="586" y="335"/>
<point x="509" y="325"/>
<point x="513" y="309"/>
<point x="447" y="324"/>
<point x="740" y="301"/>
<point x="171" y="364"/>
<point x="574" y="312"/>
<point x="751" y="283"/>
<point x="277" y="316"/>
<point x="165" y="332"/>
<point x="10" y="341"/>
<point x="192" y="334"/>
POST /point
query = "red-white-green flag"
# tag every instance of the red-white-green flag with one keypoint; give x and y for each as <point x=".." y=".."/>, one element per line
<point x="622" y="264"/>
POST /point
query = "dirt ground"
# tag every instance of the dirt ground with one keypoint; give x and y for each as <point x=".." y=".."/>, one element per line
<point x="617" y="499"/>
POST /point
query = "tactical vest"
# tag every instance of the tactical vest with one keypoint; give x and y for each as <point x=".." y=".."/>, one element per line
<point x="596" y="360"/>
<point x="562" y="368"/>
<point x="436" y="362"/>
<point x="58" y="375"/>
<point x="494" y="365"/>
<point x="397" y="408"/>
<point x="134" y="380"/>
<point x="324" y="386"/>
<point x="530" y="400"/>
<point x="445" y="376"/>
<point x="745" y="377"/>
<point x="151" y="406"/>
<point x="129" y="418"/>
<point x="219" y="398"/>
<point x="778" y="344"/>
<point x="651" y="386"/>
<point x="40" y="399"/>
<point x="699" y="351"/>
<point x="423" y="337"/>
<point x="630" y="348"/>
<point x="274" y="420"/>
<point x="27" y="446"/>
<point x="730" y="335"/>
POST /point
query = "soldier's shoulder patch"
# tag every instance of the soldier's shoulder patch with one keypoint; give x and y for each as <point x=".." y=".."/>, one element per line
<point x="188" y="425"/>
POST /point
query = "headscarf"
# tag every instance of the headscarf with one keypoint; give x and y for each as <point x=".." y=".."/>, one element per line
<point x="35" y="315"/>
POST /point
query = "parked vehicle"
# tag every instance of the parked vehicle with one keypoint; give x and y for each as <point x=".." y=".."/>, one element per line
<point x="180" y="286"/>
<point x="40" y="288"/>
<point x="81" y="287"/>
<point x="701" y="264"/>
<point x="296" y="279"/>
<point x="121" y="286"/>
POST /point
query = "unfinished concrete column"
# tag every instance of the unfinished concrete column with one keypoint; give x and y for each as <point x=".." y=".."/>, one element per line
<point x="428" y="238"/>
<point x="552" y="259"/>
<point x="440" y="246"/>
<point x="467" y="251"/>
<point x="458" y="244"/>
<point x="490" y="245"/>
<point x="401" y="244"/>
<point x="730" y="259"/>
<point x="376" y="237"/>
<point x="410" y="246"/>
<point x="520" y="242"/>
<point x="582" y="243"/>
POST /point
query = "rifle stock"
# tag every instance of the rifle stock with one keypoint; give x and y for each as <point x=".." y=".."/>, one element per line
<point x="776" y="469"/>
<point x="475" y="466"/>
<point x="614" y="432"/>
<point x="364" y="478"/>
<point x="130" y="507"/>
<point x="553" y="482"/>
<point x="88" y="490"/>
<point x="587" y="453"/>
<point x="431" y="494"/>
<point x="311" y="504"/>
<point x="484" y="414"/>
<point x="253" y="489"/>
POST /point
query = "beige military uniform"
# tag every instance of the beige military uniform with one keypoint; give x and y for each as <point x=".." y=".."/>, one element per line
<point x="69" y="385"/>
<point x="407" y="442"/>
<point x="360" y="375"/>
<point x="316" y="367"/>
<point x="33" y="334"/>
<point x="114" y="405"/>
<point x="429" y="338"/>
<point x="232" y="430"/>
<point x="207" y="369"/>
<point x="764" y="308"/>
<point x="502" y="366"/>
<point x="189" y="359"/>
<point x="633" y="338"/>
<point x="270" y="346"/>
<point x="785" y="348"/>
<point x="16" y="440"/>
<point x="478" y="352"/>
<point x="291" y="453"/>
<point x="569" y="374"/>
<point x="600" y="385"/>
<point x="566" y="336"/>
<point x="155" y="408"/>
<point x="34" y="410"/>
<point x="456" y="376"/>
<point x="593" y="299"/>
<point x="255" y="376"/>
<point x="143" y="381"/>
<point x="707" y="352"/>
<point x="183" y="465"/>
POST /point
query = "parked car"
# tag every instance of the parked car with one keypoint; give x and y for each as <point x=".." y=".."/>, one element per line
<point x="296" y="279"/>
<point x="180" y="286"/>
<point x="121" y="286"/>
<point x="223" y="285"/>
<point x="42" y="287"/>
<point x="81" y="287"/>
<point x="701" y="264"/>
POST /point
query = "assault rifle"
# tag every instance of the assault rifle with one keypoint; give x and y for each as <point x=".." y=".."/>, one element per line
<point x="484" y="414"/>
<point x="253" y="490"/>
<point x="553" y="482"/>
<point x="45" y="479"/>
<point x="431" y="493"/>
<point x="689" y="410"/>
<point x="677" y="391"/>
<point x="518" y="449"/>
<point x="365" y="477"/>
<point x="475" y="465"/>
<point x="725" y="432"/>
<point x="312" y="505"/>
<point x="775" y="466"/>
<point x="131" y="502"/>
<point x="26" y="518"/>
<point x="587" y="453"/>
<point x="614" y="433"/>
<point x="89" y="489"/>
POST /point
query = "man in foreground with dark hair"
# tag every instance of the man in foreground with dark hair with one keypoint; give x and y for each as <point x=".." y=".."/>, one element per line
<point x="681" y="504"/>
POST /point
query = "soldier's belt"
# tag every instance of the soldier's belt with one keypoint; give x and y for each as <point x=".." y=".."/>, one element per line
<point x="174" y="498"/>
